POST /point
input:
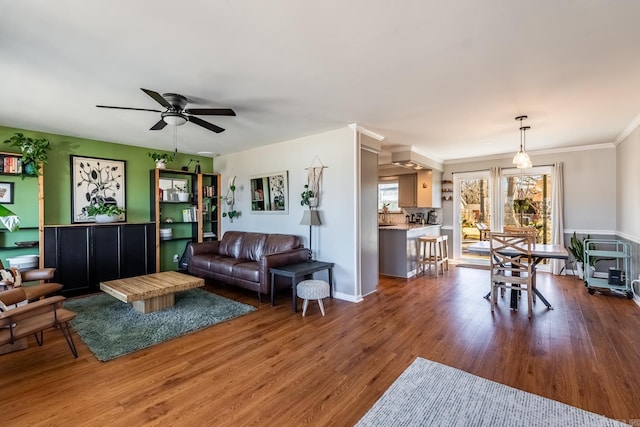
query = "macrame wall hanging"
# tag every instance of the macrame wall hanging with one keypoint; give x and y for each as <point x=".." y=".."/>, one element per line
<point x="314" y="177"/>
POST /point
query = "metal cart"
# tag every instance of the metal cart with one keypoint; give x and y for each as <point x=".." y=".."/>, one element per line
<point x="617" y="279"/>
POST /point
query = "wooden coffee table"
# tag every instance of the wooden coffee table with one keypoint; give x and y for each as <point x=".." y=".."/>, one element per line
<point x="151" y="292"/>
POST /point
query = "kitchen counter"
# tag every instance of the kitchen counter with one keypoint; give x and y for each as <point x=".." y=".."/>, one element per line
<point x="405" y="226"/>
<point x="398" y="246"/>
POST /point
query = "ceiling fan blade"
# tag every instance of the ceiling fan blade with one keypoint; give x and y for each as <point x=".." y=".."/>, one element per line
<point x="155" y="95"/>
<point x="128" y="108"/>
<point x="211" y="111"/>
<point x="159" y="126"/>
<point x="207" y="125"/>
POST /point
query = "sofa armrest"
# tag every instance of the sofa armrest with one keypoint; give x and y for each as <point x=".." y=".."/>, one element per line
<point x="293" y="256"/>
<point x="32" y="306"/>
<point x="203" y="248"/>
<point x="278" y="259"/>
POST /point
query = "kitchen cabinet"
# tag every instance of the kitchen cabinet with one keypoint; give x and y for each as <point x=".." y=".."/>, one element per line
<point x="86" y="255"/>
<point x="407" y="190"/>
<point x="421" y="190"/>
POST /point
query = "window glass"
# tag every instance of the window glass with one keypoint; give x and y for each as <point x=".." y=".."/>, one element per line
<point x="388" y="195"/>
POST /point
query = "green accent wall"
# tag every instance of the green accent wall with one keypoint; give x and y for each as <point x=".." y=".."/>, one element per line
<point x="57" y="177"/>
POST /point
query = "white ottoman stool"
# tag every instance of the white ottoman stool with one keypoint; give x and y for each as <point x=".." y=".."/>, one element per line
<point x="312" y="289"/>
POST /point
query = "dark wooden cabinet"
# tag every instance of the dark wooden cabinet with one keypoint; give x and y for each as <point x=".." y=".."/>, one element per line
<point x="84" y="256"/>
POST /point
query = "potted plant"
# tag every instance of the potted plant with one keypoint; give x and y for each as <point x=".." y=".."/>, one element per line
<point x="577" y="250"/>
<point x="308" y="198"/>
<point x="161" y="159"/>
<point x="183" y="193"/>
<point x="34" y="152"/>
<point x="105" y="212"/>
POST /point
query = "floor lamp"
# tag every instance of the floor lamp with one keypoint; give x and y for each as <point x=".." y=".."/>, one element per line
<point x="310" y="218"/>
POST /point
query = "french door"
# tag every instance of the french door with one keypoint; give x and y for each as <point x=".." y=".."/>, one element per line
<point x="471" y="213"/>
<point x="525" y="198"/>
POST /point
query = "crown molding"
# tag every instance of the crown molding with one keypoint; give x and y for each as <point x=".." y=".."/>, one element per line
<point x="633" y="125"/>
<point x="603" y="146"/>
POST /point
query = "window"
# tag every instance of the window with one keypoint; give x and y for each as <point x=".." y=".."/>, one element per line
<point x="388" y="193"/>
<point x="527" y="200"/>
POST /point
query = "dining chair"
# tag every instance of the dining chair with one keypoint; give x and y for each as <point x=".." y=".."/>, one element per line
<point x="512" y="265"/>
<point x="520" y="230"/>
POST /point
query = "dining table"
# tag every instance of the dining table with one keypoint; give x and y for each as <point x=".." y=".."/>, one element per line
<point x="539" y="252"/>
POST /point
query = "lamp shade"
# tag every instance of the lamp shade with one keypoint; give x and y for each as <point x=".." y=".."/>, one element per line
<point x="310" y="217"/>
<point x="522" y="160"/>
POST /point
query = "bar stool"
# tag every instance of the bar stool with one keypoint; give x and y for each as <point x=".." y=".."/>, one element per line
<point x="434" y="251"/>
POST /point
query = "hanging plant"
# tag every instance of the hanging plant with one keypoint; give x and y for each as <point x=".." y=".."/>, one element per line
<point x="307" y="197"/>
<point x="34" y="152"/>
<point x="230" y="200"/>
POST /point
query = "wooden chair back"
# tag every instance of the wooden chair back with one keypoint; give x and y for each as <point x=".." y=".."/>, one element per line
<point x="511" y="253"/>
<point x="521" y="230"/>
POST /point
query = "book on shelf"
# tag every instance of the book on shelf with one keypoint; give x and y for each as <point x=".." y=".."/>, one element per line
<point x="190" y="214"/>
<point x="209" y="191"/>
<point x="11" y="164"/>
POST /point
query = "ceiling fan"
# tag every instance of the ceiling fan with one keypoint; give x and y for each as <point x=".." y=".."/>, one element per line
<point x="175" y="113"/>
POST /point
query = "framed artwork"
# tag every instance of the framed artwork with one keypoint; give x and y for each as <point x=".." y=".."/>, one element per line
<point x="6" y="192"/>
<point x="94" y="181"/>
<point x="270" y="193"/>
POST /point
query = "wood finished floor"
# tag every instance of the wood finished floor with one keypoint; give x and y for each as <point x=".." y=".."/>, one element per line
<point x="272" y="367"/>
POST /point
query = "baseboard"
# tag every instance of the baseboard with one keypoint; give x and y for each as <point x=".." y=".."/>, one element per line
<point x="347" y="297"/>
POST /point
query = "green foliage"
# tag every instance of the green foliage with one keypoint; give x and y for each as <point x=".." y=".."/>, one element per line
<point x="104" y="209"/>
<point x="230" y="201"/>
<point x="231" y="214"/>
<point x="34" y="150"/>
<point x="306" y="195"/>
<point x="577" y="249"/>
<point x="165" y="157"/>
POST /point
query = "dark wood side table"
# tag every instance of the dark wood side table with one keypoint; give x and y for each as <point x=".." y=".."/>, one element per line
<point x="297" y="272"/>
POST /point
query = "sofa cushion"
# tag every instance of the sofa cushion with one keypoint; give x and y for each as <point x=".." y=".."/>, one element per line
<point x="230" y="244"/>
<point x="252" y="246"/>
<point x="215" y="263"/>
<point x="280" y="242"/>
<point x="248" y="271"/>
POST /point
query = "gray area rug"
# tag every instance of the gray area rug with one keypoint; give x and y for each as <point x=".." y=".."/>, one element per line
<point x="111" y="328"/>
<point x="432" y="394"/>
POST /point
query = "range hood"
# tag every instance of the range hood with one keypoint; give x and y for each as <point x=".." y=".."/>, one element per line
<point x="410" y="159"/>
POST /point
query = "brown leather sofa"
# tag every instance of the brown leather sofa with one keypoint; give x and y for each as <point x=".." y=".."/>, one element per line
<point x="243" y="259"/>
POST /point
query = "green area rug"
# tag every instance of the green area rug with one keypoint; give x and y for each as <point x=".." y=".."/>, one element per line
<point x="111" y="328"/>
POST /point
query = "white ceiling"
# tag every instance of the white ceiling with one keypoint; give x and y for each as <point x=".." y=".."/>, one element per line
<point x="447" y="78"/>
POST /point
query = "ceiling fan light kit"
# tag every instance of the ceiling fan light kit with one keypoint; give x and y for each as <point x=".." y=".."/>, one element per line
<point x="173" y="119"/>
<point x="521" y="159"/>
<point x="176" y="114"/>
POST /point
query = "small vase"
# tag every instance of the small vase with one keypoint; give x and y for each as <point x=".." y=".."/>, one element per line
<point x="183" y="197"/>
<point x="313" y="202"/>
<point x="160" y="164"/>
<point x="30" y="169"/>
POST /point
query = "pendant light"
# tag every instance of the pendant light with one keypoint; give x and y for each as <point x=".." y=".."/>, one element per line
<point x="521" y="159"/>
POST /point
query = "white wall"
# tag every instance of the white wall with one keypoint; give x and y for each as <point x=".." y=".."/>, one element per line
<point x="628" y="189"/>
<point x="335" y="239"/>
